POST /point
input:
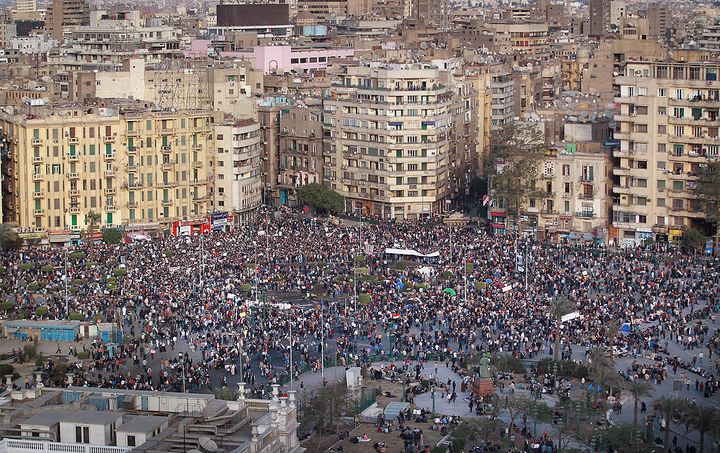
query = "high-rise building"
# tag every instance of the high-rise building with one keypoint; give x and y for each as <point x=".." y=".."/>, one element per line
<point x="606" y="16"/>
<point x="668" y="128"/>
<point x="400" y="139"/>
<point x="134" y="167"/>
<point x="66" y="15"/>
<point x="25" y="6"/>
<point x="658" y="17"/>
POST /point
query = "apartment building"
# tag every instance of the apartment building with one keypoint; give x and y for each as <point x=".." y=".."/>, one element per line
<point x="524" y="37"/>
<point x="236" y="161"/>
<point x="667" y="130"/>
<point x="301" y="147"/>
<point x="134" y="167"/>
<point x="399" y="139"/>
<point x="64" y="16"/>
<point x="503" y="97"/>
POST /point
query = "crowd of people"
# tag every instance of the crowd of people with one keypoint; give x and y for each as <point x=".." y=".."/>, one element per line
<point x="232" y="306"/>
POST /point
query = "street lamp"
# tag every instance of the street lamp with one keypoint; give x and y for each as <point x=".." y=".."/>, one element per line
<point x="181" y="357"/>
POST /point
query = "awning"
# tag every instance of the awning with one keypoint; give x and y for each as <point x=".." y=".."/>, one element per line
<point x="498" y="225"/>
<point x="409" y="252"/>
<point x="498" y="214"/>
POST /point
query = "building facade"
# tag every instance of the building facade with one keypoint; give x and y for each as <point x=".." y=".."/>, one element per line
<point x="65" y="15"/>
<point x="130" y="168"/>
<point x="667" y="130"/>
<point x="396" y="145"/>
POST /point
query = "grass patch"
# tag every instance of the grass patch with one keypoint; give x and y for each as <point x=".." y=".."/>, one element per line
<point x="34" y="286"/>
<point x="364" y="299"/>
<point x="245" y="288"/>
<point x="47" y="268"/>
<point x="26" y="266"/>
<point x="168" y="253"/>
<point x="82" y="355"/>
<point x="77" y="255"/>
<point x="120" y="271"/>
<point x="400" y="265"/>
<point x="7" y="305"/>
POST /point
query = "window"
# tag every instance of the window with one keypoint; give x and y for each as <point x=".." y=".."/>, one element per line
<point x="566" y="170"/>
<point x="661" y="202"/>
<point x="642" y="91"/>
<point x="642" y="164"/>
<point x="678" y="112"/>
<point x="661" y="129"/>
<point x="662" y="92"/>
<point x="82" y="434"/>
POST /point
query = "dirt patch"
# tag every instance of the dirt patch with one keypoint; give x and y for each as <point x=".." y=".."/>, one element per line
<point x="393" y="442"/>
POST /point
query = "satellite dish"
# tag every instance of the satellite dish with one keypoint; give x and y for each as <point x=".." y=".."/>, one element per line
<point x="207" y="444"/>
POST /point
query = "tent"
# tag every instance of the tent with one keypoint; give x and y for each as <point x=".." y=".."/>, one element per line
<point x="626" y="328"/>
<point x="450" y="291"/>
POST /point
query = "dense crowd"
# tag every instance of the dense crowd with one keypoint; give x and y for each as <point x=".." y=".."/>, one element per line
<point x="236" y="300"/>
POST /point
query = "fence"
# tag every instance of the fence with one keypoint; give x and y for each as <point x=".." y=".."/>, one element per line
<point x="33" y="446"/>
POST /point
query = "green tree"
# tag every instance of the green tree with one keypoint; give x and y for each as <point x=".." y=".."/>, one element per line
<point x="516" y="152"/>
<point x="92" y="218"/>
<point x="112" y="236"/>
<point x="323" y="411"/>
<point x="559" y="307"/>
<point x="704" y="419"/>
<point x="669" y="408"/>
<point x="612" y="330"/>
<point x="708" y="189"/>
<point x="692" y="239"/>
<point x="325" y="201"/>
<point x="9" y="239"/>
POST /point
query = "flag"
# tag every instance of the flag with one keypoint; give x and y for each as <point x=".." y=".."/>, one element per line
<point x="487" y="199"/>
<point x="396" y="316"/>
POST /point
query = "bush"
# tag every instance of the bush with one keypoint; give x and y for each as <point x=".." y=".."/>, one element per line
<point x="76" y="316"/>
<point x="362" y="271"/>
<point x="82" y="355"/>
<point x="120" y="271"/>
<point x="5" y="369"/>
<point x="422" y="286"/>
<point x="507" y="362"/>
<point x="47" y="268"/>
<point x="168" y="253"/>
<point x="7" y="305"/>
<point x="26" y="266"/>
<point x="400" y="265"/>
<point x="77" y="281"/>
<point x="43" y="283"/>
<point x="42" y="311"/>
<point x="2" y="270"/>
<point x="364" y="298"/>
<point x="480" y="285"/>
<point x="30" y="351"/>
<point x="92" y="264"/>
<point x="359" y="258"/>
<point x="112" y="236"/>
<point x="77" y="255"/>
<point x="245" y="288"/>
<point x="469" y="267"/>
<point x="34" y="286"/>
<point x="73" y="289"/>
<point x="566" y="368"/>
<point x="445" y="275"/>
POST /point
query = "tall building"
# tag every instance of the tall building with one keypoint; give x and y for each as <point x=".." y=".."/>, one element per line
<point x="301" y="147"/>
<point x="236" y="162"/>
<point x="133" y="167"/>
<point x="658" y="16"/>
<point x="668" y="128"/>
<point x="66" y="15"/>
<point x="400" y="139"/>
<point x="25" y="6"/>
<point x="605" y="16"/>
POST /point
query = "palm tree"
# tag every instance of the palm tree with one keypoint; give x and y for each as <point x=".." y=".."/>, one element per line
<point x="638" y="389"/>
<point x="703" y="419"/>
<point x="612" y="331"/>
<point x="91" y="219"/>
<point x="559" y="307"/>
<point x="669" y="408"/>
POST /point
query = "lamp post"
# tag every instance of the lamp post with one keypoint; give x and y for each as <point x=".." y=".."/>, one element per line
<point x="432" y="394"/>
<point x="67" y="299"/>
<point x="322" y="340"/>
<point x="181" y="357"/>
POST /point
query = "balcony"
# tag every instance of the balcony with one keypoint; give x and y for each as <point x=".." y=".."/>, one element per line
<point x="38" y="194"/>
<point x="197" y="164"/>
<point x="73" y="140"/>
<point x="622" y="171"/>
<point x="199" y="198"/>
<point x="37" y="159"/>
<point x="39" y="211"/>
<point x="548" y="212"/>
<point x="73" y="157"/>
<point x="132" y="204"/>
<point x="37" y="141"/>
<point x="132" y="168"/>
<point x="585" y="214"/>
<point x="167" y="203"/>
<point x="135" y="186"/>
<point x="586" y="195"/>
<point x="682" y="175"/>
<point x="166" y="166"/>
<point x="109" y="156"/>
<point x="74" y="193"/>
<point x="109" y="173"/>
<point x="73" y="175"/>
<point x="37" y="177"/>
<point x="166" y="184"/>
<point x="132" y="149"/>
<point x="689" y="157"/>
<point x="111" y="208"/>
<point x="109" y="139"/>
<point x="110" y="191"/>
<point x="132" y="133"/>
<point x="197" y="146"/>
<point x="74" y="210"/>
<point x="165" y="149"/>
<point x="198" y="181"/>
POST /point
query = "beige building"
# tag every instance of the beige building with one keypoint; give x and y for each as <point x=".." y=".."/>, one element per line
<point x="237" y="173"/>
<point x="137" y="167"/>
<point x="65" y="16"/>
<point x="667" y="129"/>
<point x="301" y="147"/>
<point x="400" y="139"/>
<point x="228" y="88"/>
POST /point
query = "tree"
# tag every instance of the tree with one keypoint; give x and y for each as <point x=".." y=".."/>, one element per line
<point x="9" y="239"/>
<point x="692" y="239"/>
<point x="112" y="236"/>
<point x="708" y="190"/>
<point x="704" y="419"/>
<point x="516" y="151"/>
<point x="325" y="201"/>
<point x="92" y="218"/>
<point x="612" y="330"/>
<point x="322" y="412"/>
<point x="670" y="408"/>
<point x="559" y="307"/>
<point x="638" y="389"/>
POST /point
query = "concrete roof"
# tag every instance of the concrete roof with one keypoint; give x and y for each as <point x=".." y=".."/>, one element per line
<point x="48" y="418"/>
<point x="142" y="424"/>
<point x="91" y="417"/>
